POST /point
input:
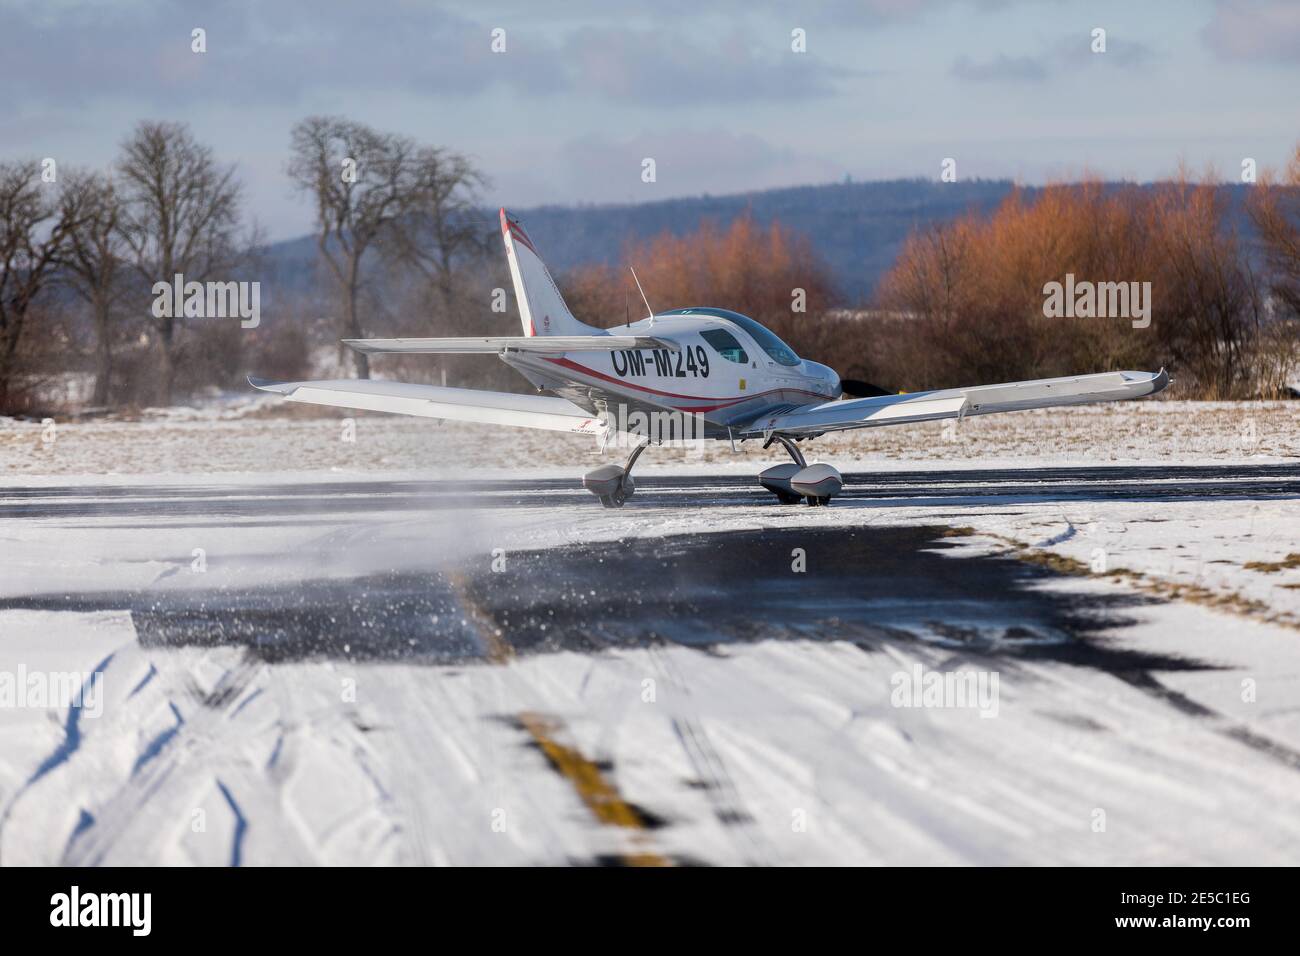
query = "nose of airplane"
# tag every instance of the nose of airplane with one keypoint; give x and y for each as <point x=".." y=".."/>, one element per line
<point x="827" y="375"/>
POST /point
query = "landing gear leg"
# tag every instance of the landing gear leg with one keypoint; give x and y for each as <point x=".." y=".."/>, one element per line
<point x="789" y="445"/>
<point x="613" y="484"/>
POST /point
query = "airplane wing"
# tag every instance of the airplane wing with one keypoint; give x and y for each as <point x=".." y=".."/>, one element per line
<point x="958" y="403"/>
<point x="432" y="401"/>
<point x="521" y="343"/>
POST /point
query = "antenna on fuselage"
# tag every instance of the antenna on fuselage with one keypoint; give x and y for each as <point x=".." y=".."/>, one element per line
<point x="650" y="313"/>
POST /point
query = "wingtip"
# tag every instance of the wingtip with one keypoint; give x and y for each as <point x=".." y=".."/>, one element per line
<point x="270" y="385"/>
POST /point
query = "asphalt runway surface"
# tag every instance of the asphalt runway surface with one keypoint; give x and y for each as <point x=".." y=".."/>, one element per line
<point x="911" y="488"/>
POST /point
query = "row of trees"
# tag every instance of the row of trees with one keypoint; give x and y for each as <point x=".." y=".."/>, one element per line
<point x="103" y="239"/>
<point x="81" y="251"/>
<point x="766" y="272"/>
<point x="968" y="295"/>
<point x="403" y="248"/>
<point x="964" y="302"/>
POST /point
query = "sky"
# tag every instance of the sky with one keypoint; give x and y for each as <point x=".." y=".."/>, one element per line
<point x="714" y="92"/>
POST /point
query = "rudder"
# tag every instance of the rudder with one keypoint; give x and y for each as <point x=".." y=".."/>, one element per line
<point x="542" y="310"/>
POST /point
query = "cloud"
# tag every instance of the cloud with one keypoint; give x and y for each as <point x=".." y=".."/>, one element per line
<point x="1069" y="53"/>
<point x="845" y="14"/>
<point x="688" y="161"/>
<point x="291" y="52"/>
<point x="858" y="14"/>
<point x="655" y="68"/>
<point x="1001" y="69"/>
<point x="1255" y="30"/>
<point x="1076" y="51"/>
<point x="256" y="54"/>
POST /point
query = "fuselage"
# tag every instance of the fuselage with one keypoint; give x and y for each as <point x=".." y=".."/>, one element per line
<point x="726" y="372"/>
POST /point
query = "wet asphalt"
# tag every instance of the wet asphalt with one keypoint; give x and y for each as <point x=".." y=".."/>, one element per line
<point x="866" y="584"/>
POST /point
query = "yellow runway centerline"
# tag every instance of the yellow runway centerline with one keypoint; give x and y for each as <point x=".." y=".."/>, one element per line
<point x="595" y="790"/>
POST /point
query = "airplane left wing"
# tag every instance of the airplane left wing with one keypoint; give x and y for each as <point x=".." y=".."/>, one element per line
<point x="433" y="401"/>
<point x="958" y="402"/>
<point x="519" y="343"/>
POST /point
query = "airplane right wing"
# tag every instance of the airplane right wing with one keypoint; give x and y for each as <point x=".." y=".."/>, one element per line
<point x="816" y="419"/>
<point x="433" y="401"/>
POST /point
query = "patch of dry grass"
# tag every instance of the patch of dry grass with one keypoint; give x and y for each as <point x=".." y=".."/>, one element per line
<point x="1228" y="601"/>
<point x="1271" y="567"/>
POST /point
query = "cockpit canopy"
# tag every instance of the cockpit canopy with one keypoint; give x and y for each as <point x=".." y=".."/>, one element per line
<point x="777" y="350"/>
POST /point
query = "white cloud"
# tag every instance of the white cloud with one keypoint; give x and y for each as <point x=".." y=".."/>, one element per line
<point x="1255" y="29"/>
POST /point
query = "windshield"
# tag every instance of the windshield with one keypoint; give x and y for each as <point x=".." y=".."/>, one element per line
<point x="777" y="350"/>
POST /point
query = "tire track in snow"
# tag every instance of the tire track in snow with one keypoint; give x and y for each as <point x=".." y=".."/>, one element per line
<point x="241" y="825"/>
<point x="719" y="788"/>
<point x="61" y="754"/>
<point x="190" y="741"/>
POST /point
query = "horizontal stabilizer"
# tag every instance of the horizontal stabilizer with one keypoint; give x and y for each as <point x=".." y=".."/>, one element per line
<point x="520" y="343"/>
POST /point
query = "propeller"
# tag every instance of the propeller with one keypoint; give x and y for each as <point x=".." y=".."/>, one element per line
<point x="860" y="389"/>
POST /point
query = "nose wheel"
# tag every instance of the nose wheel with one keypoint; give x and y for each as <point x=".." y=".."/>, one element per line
<point x="795" y="481"/>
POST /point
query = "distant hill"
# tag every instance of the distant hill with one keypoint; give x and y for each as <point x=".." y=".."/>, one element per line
<point x="857" y="228"/>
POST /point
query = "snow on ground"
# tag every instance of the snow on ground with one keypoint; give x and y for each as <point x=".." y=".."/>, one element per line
<point x="257" y="435"/>
<point x="780" y="751"/>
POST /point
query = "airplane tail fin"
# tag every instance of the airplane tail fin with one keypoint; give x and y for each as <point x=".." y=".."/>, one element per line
<point x="541" y="307"/>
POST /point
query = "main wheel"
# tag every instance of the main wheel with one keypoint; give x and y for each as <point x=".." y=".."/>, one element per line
<point x="787" y="498"/>
<point x="615" y="500"/>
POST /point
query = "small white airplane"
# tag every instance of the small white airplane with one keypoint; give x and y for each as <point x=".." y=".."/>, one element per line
<point x="694" y="373"/>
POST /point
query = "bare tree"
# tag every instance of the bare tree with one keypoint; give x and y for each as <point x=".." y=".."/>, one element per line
<point x="94" y="262"/>
<point x="33" y="231"/>
<point x="1275" y="210"/>
<point x="363" y="183"/>
<point x="180" y="215"/>
<point x="1210" y="294"/>
<point x="444" y="223"/>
